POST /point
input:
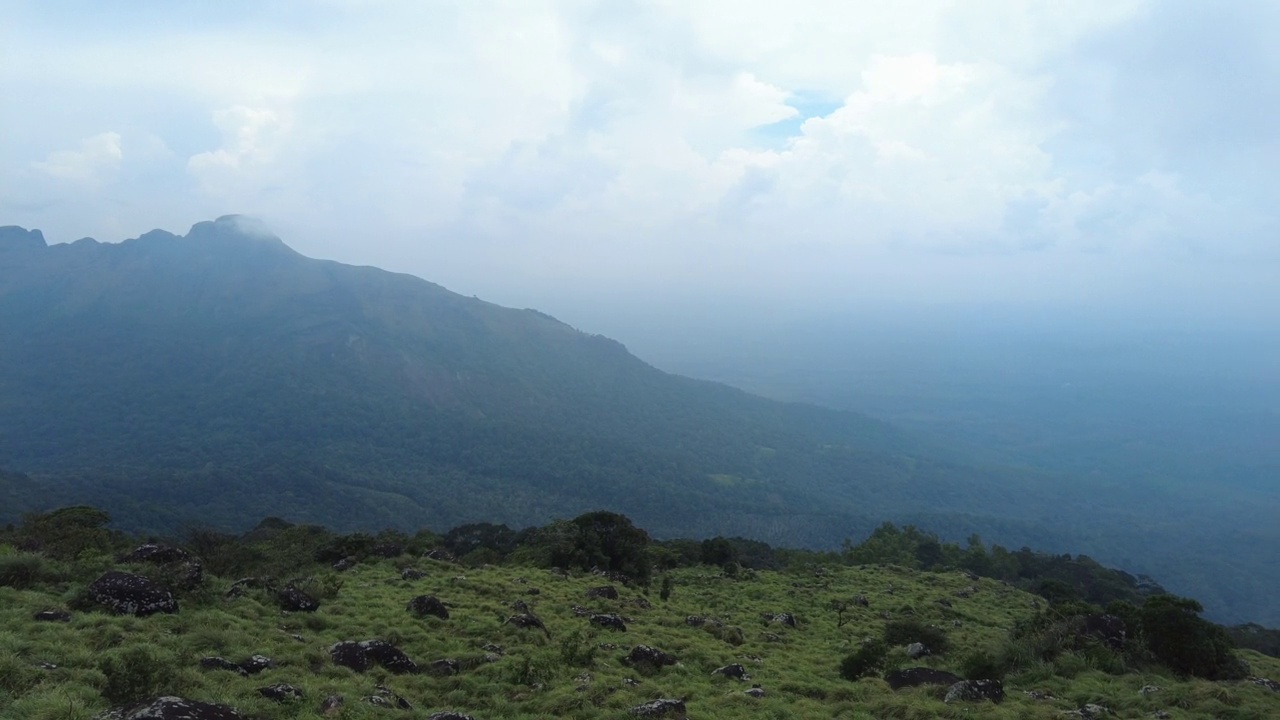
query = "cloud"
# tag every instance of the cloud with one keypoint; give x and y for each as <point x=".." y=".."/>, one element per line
<point x="95" y="159"/>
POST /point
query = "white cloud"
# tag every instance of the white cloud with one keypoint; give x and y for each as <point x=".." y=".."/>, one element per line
<point x="96" y="157"/>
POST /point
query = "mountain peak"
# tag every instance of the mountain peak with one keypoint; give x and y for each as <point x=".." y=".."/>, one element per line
<point x="13" y="237"/>
<point x="242" y="228"/>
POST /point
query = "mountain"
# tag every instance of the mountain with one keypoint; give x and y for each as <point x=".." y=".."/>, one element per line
<point x="217" y="376"/>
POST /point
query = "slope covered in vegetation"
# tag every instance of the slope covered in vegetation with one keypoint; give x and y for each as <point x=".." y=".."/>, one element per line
<point x="820" y="635"/>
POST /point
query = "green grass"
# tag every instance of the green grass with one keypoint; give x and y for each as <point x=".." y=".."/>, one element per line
<point x="100" y="656"/>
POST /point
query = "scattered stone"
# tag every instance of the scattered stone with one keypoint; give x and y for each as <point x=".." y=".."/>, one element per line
<point x="643" y="655"/>
<point x="734" y="671"/>
<point x="944" y="602"/>
<point x="495" y="649"/>
<point x="520" y="606"/>
<point x="184" y="568"/>
<point x="754" y="658"/>
<point x="47" y="666"/>
<point x="579" y="611"/>
<point x="1148" y="690"/>
<point x="292" y="599"/>
<point x="257" y="664"/>
<point x="661" y="708"/>
<point x="217" y="663"/>
<point x="391" y="699"/>
<point x="607" y="646"/>
<point x="128" y="594"/>
<point x="975" y="691"/>
<point x="449" y="715"/>
<point x="609" y="621"/>
<point x="172" y="708"/>
<point x="913" y="677"/>
<point x="412" y="574"/>
<point x="604" y="592"/>
<point x="345" y="563"/>
<point x="642" y="603"/>
<point x="281" y="692"/>
<point x="916" y="650"/>
<point x="52" y="616"/>
<point x="630" y="682"/>
<point x="1271" y="685"/>
<point x="695" y="621"/>
<point x="442" y="668"/>
<point x="299" y="638"/>
<point x="1093" y="711"/>
<point x="1039" y="695"/>
<point x="528" y="621"/>
<point x="533" y="591"/>
<point x="331" y="705"/>
<point x="784" y="618"/>
<point x="771" y="637"/>
<point x="862" y="601"/>
<point x="424" y="605"/>
<point x="441" y="555"/>
<point x="1161" y="715"/>
<point x="157" y="553"/>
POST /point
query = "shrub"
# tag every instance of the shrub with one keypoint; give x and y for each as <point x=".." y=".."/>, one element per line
<point x="984" y="665"/>
<point x="866" y="660"/>
<point x="134" y="673"/>
<point x="22" y="570"/>
<point x="1177" y="636"/>
<point x="905" y="632"/>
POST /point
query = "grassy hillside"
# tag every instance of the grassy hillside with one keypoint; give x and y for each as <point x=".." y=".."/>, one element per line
<point x="95" y="660"/>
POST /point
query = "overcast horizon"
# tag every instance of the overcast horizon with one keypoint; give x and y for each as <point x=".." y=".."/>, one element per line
<point x="1102" y="156"/>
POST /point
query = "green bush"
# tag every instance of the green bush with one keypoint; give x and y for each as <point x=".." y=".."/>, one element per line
<point x="905" y="632"/>
<point x="22" y="570"/>
<point x="866" y="660"/>
<point x="136" y="672"/>
<point x="1177" y="636"/>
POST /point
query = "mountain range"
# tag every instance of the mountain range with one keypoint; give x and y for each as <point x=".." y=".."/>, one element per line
<point x="212" y="378"/>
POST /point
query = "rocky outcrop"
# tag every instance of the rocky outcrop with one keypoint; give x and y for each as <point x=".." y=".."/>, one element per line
<point x="173" y="708"/>
<point x="667" y="708"/>
<point x="361" y="656"/>
<point x="528" y="621"/>
<point x="608" y="621"/>
<point x="643" y="656"/>
<point x="281" y="692"/>
<point x="425" y="605"/>
<point x="128" y="594"/>
<point x="916" y="676"/>
<point x="52" y="616"/>
<point x="291" y="599"/>
<point x="735" y="671"/>
<point x="412" y="574"/>
<point x="180" y="567"/>
<point x="975" y="691"/>
<point x="603" y="592"/>
<point x="1109" y="629"/>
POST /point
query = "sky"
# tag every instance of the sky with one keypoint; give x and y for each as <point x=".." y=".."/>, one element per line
<point x="702" y="156"/>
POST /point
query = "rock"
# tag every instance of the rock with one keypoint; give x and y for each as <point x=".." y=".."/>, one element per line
<point x="1041" y="695"/>
<point x="771" y="637"/>
<point x="528" y="621"/>
<point x="1271" y="685"/>
<point x="661" y="708"/>
<point x="642" y="603"/>
<point x="1108" y="628"/>
<point x="412" y="574"/>
<point x="217" y="663"/>
<point x="1092" y="711"/>
<point x="257" y="664"/>
<point x="1161" y="715"/>
<point x="754" y="691"/>
<point x="292" y="599"/>
<point x="645" y="656"/>
<point x="520" y="606"/>
<point x="862" y="601"/>
<point x="281" y="692"/>
<point x="975" y="691"/>
<point x="441" y="555"/>
<point x="128" y="594"/>
<point x="386" y="698"/>
<point x="944" y="602"/>
<point x="579" y="611"/>
<point x="604" y="592"/>
<point x="449" y="715"/>
<point x="52" y="616"/>
<point x="784" y="618"/>
<point x="913" y="677"/>
<point x="495" y="649"/>
<point x="389" y="656"/>
<point x="608" y="621"/>
<point x="173" y="708"/>
<point x="424" y="605"/>
<point x="345" y="563"/>
<point x="695" y="621"/>
<point x="916" y="650"/>
<point x="735" y="671"/>
<point x="1148" y="690"/>
<point x="442" y="668"/>
<point x="331" y="705"/>
<point x="47" y="666"/>
<point x="360" y="656"/>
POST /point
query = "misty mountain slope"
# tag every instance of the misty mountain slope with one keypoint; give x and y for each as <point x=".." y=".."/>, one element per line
<point x="220" y="375"/>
